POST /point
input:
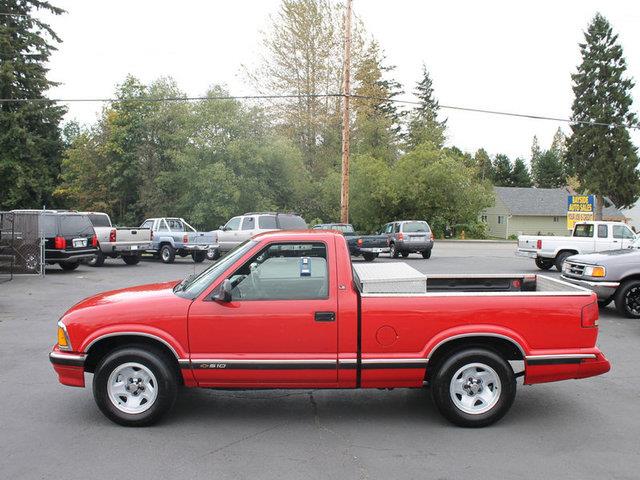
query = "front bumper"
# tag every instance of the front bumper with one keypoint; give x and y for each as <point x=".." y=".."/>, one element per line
<point x="69" y="367"/>
<point x="604" y="290"/>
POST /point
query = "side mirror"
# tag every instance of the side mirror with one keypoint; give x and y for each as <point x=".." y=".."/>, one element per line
<point x="221" y="227"/>
<point x="223" y="293"/>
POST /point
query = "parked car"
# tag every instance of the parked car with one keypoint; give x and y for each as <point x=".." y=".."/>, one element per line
<point x="69" y="238"/>
<point x="587" y="237"/>
<point x="243" y="227"/>
<point x="613" y="275"/>
<point x="114" y="242"/>
<point x="408" y="236"/>
<point x="284" y="310"/>
<point x="174" y="236"/>
<point x="367" y="246"/>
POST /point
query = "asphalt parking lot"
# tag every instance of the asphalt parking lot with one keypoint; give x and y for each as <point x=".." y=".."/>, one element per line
<point x="571" y="430"/>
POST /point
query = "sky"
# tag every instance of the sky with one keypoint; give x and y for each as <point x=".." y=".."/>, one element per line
<point x="498" y="55"/>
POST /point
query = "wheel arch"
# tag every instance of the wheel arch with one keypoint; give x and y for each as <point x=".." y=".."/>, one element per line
<point x="566" y="250"/>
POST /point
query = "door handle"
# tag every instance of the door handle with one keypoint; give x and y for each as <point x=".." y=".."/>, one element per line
<point x="325" y="317"/>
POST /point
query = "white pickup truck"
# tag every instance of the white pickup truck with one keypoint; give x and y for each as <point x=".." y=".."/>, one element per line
<point x="128" y="243"/>
<point x="587" y="237"/>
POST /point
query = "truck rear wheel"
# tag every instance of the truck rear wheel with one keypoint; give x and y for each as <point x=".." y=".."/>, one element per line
<point x="97" y="261"/>
<point x="474" y="387"/>
<point x="560" y="258"/>
<point x="543" y="263"/>
<point x="131" y="259"/>
<point x="628" y="299"/>
<point x="167" y="253"/>
<point x="134" y="387"/>
<point x="426" y="253"/>
<point x="199" y="256"/>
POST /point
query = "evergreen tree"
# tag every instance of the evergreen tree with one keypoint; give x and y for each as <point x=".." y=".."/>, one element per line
<point x="520" y="176"/>
<point x="424" y="125"/>
<point x="536" y="151"/>
<point x="30" y="139"/>
<point x="502" y="171"/>
<point x="549" y="171"/>
<point x="602" y="156"/>
<point x="483" y="164"/>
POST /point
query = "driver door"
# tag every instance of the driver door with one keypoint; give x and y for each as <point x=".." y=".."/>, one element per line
<point x="280" y="327"/>
<point x="228" y="236"/>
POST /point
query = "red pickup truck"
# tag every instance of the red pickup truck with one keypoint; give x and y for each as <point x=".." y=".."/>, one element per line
<point x="288" y="310"/>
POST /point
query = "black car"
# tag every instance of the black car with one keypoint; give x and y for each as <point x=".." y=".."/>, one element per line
<point x="369" y="246"/>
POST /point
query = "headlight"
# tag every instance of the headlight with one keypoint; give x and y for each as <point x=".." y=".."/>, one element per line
<point x="63" y="337"/>
<point x="594" y="271"/>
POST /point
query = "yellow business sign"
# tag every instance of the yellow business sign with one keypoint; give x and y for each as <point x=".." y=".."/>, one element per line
<point x="580" y="208"/>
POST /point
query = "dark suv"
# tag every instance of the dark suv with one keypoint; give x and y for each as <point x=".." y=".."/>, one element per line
<point x="68" y="238"/>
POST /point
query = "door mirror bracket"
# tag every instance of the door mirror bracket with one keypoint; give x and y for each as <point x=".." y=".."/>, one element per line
<point x="223" y="292"/>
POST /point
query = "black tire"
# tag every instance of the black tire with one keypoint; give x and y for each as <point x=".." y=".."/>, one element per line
<point x="627" y="299"/>
<point x="543" y="263"/>
<point x="604" y="303"/>
<point x="393" y="253"/>
<point x="199" y="256"/>
<point x="167" y="253"/>
<point x="150" y="358"/>
<point x="560" y="258"/>
<point x="443" y="398"/>
<point x="404" y="254"/>
<point x="69" y="266"/>
<point x="182" y="253"/>
<point x="426" y="253"/>
<point x="97" y="261"/>
<point x="131" y="259"/>
<point x="213" y="254"/>
<point x="369" y="257"/>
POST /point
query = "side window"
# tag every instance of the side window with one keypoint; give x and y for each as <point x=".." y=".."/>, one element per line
<point x="49" y="225"/>
<point x="248" y="223"/>
<point x="396" y="228"/>
<point x="267" y="222"/>
<point x="162" y="226"/>
<point x="233" y="224"/>
<point x="175" y="225"/>
<point x="603" y="231"/>
<point x="620" y="231"/>
<point x="283" y="271"/>
<point x="147" y="224"/>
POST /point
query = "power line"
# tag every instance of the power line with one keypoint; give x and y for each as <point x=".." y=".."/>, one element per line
<point x="319" y="95"/>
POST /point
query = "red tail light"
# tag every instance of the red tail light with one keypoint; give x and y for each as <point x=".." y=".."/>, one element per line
<point x="112" y="235"/>
<point x="590" y="315"/>
<point x="59" y="243"/>
<point x="94" y="240"/>
<point x="539" y="244"/>
<point x="400" y="237"/>
<point x="185" y="239"/>
<point x="359" y="242"/>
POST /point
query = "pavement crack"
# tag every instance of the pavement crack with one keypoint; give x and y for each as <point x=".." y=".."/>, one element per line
<point x="244" y="439"/>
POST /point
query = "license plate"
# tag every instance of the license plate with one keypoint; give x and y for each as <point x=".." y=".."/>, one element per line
<point x="417" y="239"/>
<point x="134" y="247"/>
<point x="79" y="242"/>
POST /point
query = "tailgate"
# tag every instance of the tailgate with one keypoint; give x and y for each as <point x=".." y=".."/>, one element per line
<point x="133" y="235"/>
<point x="374" y="241"/>
<point x="202" y="238"/>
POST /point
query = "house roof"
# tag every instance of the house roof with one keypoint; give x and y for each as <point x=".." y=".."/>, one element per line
<point x="542" y="201"/>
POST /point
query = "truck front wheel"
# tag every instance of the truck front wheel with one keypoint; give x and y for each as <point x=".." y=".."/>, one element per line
<point x="543" y="263"/>
<point x="167" y="253"/>
<point x="561" y="258"/>
<point x="474" y="388"/>
<point x="628" y="299"/>
<point x="134" y="387"/>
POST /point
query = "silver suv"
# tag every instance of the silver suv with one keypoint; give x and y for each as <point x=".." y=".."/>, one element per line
<point x="409" y="236"/>
<point x="243" y="227"/>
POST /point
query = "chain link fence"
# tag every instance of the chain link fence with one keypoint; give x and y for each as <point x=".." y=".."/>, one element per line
<point x="21" y="244"/>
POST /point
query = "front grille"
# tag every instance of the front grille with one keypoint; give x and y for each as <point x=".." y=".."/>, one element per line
<point x="573" y="268"/>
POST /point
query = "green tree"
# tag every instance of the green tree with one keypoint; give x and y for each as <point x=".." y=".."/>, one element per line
<point x="520" y="176"/>
<point x="536" y="151"/>
<point x="502" y="171"/>
<point x="483" y="164"/>
<point x="30" y="137"/>
<point x="423" y="124"/>
<point x="603" y="157"/>
<point x="549" y="171"/>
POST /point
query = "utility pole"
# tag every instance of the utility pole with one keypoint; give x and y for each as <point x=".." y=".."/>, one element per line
<point x="346" y="92"/>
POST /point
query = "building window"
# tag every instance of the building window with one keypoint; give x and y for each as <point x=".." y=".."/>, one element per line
<point x="556" y="219"/>
<point x="500" y="219"/>
<point x="484" y="218"/>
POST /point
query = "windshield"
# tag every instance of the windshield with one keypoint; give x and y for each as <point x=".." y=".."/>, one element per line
<point x="409" y="227"/>
<point x="342" y="228"/>
<point x="193" y="287"/>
